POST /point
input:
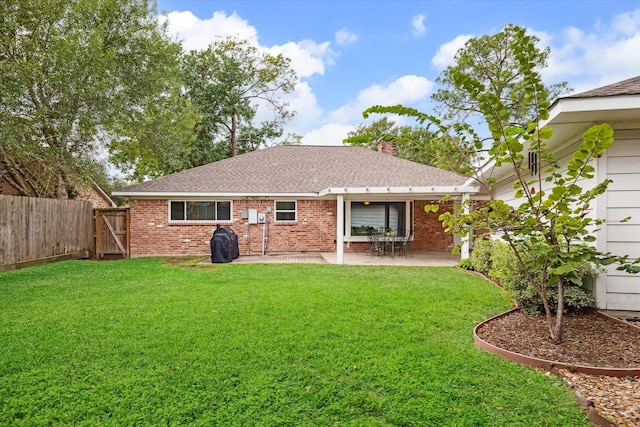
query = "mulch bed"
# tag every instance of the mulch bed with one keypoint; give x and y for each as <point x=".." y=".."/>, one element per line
<point x="588" y="340"/>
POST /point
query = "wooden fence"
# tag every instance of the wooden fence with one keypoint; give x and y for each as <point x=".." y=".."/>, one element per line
<point x="36" y="231"/>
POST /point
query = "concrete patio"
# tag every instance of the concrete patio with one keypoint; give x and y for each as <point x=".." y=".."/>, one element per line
<point x="419" y="259"/>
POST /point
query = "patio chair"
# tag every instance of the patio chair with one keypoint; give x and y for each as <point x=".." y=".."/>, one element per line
<point x="403" y="245"/>
<point x="377" y="246"/>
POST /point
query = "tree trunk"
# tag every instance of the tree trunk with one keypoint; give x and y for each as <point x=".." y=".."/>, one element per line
<point x="557" y="333"/>
<point x="234" y="150"/>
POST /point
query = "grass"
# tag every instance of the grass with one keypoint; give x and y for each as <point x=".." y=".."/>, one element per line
<point x="139" y="342"/>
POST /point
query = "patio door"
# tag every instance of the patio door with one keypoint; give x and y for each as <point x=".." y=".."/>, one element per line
<point x="377" y="216"/>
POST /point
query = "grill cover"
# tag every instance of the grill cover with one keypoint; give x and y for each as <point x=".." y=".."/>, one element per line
<point x="224" y="245"/>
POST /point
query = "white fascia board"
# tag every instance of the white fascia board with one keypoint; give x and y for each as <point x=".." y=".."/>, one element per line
<point x="180" y="194"/>
<point x="401" y="190"/>
<point x="603" y="103"/>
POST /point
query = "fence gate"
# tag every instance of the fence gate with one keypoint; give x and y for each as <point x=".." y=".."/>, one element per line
<point x="112" y="233"/>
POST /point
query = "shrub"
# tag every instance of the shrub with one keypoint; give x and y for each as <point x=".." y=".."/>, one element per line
<point x="465" y="264"/>
<point x="505" y="269"/>
<point x="481" y="255"/>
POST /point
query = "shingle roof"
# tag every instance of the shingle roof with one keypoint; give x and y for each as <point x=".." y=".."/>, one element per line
<point x="299" y="169"/>
<point x="625" y="87"/>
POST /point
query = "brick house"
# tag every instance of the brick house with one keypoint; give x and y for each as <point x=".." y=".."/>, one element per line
<point x="292" y="199"/>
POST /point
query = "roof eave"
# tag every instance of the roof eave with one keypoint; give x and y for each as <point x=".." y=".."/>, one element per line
<point x="436" y="189"/>
<point x="188" y="194"/>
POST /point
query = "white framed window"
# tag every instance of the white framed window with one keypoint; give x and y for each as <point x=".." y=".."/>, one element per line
<point x="286" y="210"/>
<point x="364" y="217"/>
<point x="199" y="210"/>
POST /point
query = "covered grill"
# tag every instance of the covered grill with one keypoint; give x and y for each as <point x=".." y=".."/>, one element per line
<point x="224" y="245"/>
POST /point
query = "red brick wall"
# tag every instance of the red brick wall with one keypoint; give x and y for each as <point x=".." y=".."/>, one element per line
<point x="6" y="188"/>
<point x="428" y="231"/>
<point x="314" y="230"/>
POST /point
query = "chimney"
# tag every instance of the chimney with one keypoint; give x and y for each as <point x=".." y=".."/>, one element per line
<point x="387" y="147"/>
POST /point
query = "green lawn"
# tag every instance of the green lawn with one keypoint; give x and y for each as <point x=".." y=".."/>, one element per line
<point x="137" y="342"/>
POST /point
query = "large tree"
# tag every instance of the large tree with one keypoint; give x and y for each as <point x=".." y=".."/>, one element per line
<point x="76" y="76"/>
<point x="548" y="227"/>
<point x="489" y="60"/>
<point x="415" y="143"/>
<point x="228" y="83"/>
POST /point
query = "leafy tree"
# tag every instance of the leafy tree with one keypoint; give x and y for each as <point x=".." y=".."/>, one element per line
<point x="548" y="228"/>
<point x="415" y="143"/>
<point x="489" y="60"/>
<point x="292" y="139"/>
<point x="227" y="84"/>
<point x="77" y="76"/>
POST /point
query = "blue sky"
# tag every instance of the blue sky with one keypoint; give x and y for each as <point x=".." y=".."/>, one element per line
<point x="350" y="55"/>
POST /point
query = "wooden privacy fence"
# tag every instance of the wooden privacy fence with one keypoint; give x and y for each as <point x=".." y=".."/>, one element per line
<point x="112" y="233"/>
<point x="36" y="231"/>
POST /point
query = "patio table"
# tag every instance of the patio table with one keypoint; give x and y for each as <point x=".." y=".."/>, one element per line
<point x="391" y="241"/>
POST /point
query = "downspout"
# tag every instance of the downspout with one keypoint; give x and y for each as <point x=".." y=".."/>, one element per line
<point x="339" y="228"/>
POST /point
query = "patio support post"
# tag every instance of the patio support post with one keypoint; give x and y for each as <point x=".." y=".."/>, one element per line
<point x="339" y="230"/>
<point x="464" y="250"/>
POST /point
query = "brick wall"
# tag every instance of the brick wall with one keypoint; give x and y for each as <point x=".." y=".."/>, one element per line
<point x="314" y="230"/>
<point x="6" y="188"/>
<point x="428" y="231"/>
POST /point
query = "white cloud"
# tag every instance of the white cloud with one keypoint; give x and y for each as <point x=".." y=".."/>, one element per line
<point x="627" y="23"/>
<point x="604" y="55"/>
<point x="405" y="90"/>
<point x="307" y="57"/>
<point x="330" y="134"/>
<point x="345" y="37"/>
<point x="446" y="53"/>
<point x="417" y="22"/>
<point x="303" y="101"/>
<point x="198" y="34"/>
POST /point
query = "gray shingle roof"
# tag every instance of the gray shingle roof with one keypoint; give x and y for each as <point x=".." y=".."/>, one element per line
<point x="625" y="87"/>
<point x="299" y="169"/>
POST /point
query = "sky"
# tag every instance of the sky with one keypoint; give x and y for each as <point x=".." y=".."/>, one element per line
<point x="350" y="55"/>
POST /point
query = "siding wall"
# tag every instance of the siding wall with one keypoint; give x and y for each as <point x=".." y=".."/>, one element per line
<point x="614" y="290"/>
<point x="622" y="165"/>
<point x="314" y="230"/>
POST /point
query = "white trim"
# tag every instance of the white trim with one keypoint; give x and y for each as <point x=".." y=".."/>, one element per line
<point x="285" y="221"/>
<point x="408" y="191"/>
<point x="198" y="221"/>
<point x="226" y="196"/>
<point x="464" y="251"/>
<point x="339" y="227"/>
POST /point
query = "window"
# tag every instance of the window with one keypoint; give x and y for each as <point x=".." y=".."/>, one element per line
<point x="533" y="163"/>
<point x="285" y="211"/>
<point x="378" y="216"/>
<point x="200" y="211"/>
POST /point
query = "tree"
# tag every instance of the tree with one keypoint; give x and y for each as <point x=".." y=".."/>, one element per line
<point x="549" y="228"/>
<point x="77" y="76"/>
<point x="415" y="143"/>
<point x="227" y="84"/>
<point x="489" y="60"/>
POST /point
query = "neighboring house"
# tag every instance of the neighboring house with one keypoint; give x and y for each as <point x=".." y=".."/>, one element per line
<point x="93" y="194"/>
<point x="617" y="104"/>
<point x="292" y="198"/>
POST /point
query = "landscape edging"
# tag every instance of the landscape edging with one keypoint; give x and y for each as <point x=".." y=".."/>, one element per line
<point x="550" y="365"/>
